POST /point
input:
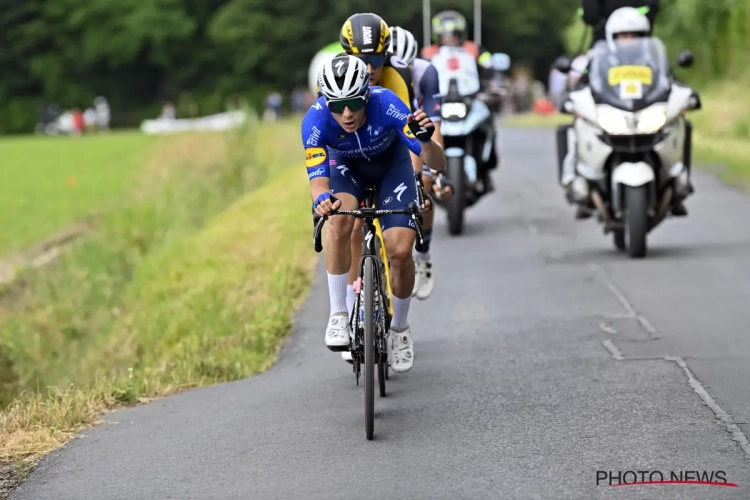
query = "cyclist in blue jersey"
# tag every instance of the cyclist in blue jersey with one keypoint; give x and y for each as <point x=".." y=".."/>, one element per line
<point x="427" y="95"/>
<point x="356" y="135"/>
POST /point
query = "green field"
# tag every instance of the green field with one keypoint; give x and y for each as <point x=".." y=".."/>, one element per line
<point x="191" y="278"/>
<point x="48" y="183"/>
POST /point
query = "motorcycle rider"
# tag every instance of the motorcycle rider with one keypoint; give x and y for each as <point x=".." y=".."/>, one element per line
<point x="427" y="95"/>
<point x="595" y="13"/>
<point x="449" y="29"/>
<point x="625" y="23"/>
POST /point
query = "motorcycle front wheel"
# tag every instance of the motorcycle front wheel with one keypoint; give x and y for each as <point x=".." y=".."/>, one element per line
<point x="456" y="205"/>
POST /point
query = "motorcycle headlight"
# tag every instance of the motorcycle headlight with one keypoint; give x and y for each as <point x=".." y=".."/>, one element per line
<point x="652" y="119"/>
<point x="613" y="120"/>
<point x="453" y="110"/>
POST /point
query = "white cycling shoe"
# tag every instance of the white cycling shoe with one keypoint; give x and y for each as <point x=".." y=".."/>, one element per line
<point x="424" y="283"/>
<point x="338" y="332"/>
<point x="400" y="350"/>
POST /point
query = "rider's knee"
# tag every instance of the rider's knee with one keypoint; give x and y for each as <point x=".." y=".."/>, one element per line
<point x="399" y="251"/>
<point x="356" y="235"/>
<point x="357" y="228"/>
<point x="340" y="228"/>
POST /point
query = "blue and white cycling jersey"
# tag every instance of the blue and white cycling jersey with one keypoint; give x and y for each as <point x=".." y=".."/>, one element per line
<point x="427" y="88"/>
<point x="385" y="120"/>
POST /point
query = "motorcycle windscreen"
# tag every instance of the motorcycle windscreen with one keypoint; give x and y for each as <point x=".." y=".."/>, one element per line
<point x="631" y="77"/>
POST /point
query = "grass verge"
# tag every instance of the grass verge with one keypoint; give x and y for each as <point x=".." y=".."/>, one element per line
<point x="47" y="183"/>
<point x="166" y="297"/>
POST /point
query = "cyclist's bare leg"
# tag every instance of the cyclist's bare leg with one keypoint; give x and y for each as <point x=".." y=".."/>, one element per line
<point x="356" y="255"/>
<point x="338" y="256"/>
<point x="399" y="242"/>
<point x="338" y="248"/>
<point x="356" y="249"/>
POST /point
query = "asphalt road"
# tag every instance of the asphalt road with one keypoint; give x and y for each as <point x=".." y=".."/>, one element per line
<point x="542" y="357"/>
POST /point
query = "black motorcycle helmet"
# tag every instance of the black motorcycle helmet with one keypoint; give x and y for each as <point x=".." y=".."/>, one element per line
<point x="365" y="34"/>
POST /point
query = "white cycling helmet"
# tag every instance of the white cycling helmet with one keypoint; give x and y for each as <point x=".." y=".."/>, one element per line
<point x="625" y="20"/>
<point x="343" y="77"/>
<point x="403" y="44"/>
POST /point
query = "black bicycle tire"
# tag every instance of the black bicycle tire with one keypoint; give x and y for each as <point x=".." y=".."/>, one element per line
<point x="369" y="340"/>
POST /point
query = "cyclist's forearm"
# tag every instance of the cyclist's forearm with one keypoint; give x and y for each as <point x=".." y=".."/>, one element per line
<point x="438" y="135"/>
<point x="432" y="154"/>
<point x="416" y="162"/>
<point x="318" y="186"/>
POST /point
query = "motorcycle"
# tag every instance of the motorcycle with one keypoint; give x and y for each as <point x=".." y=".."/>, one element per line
<point x="467" y="128"/>
<point x="497" y="86"/>
<point x="630" y="160"/>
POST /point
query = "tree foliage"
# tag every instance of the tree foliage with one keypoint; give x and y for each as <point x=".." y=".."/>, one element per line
<point x="139" y="53"/>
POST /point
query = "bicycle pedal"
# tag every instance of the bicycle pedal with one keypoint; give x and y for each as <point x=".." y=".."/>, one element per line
<point x="338" y="348"/>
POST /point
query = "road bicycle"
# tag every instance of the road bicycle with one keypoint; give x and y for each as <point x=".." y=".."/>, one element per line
<point x="369" y="345"/>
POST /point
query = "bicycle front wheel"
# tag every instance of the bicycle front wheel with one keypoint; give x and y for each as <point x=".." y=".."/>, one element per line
<point x="369" y="283"/>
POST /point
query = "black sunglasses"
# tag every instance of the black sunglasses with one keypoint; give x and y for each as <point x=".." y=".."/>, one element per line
<point x="353" y="103"/>
<point x="376" y="60"/>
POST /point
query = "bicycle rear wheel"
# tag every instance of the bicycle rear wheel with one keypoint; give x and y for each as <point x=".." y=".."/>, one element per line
<point x="369" y="282"/>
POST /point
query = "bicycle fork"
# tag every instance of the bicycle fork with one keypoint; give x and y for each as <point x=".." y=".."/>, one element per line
<point x="357" y="314"/>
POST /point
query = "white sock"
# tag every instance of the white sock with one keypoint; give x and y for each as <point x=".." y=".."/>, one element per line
<point x="400" y="313"/>
<point x="337" y="292"/>
<point x="350" y="298"/>
<point x="423" y="256"/>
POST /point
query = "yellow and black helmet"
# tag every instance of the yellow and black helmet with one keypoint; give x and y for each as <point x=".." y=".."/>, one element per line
<point x="365" y="34"/>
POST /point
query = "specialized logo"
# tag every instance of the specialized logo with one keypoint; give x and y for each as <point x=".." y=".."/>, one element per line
<point x="368" y="239"/>
<point x="400" y="190"/>
<point x="395" y="113"/>
<point x="343" y="169"/>
<point x="407" y="132"/>
<point x="315" y="156"/>
<point x="340" y="67"/>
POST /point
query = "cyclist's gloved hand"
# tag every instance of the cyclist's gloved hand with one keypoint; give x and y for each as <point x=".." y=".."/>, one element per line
<point x="421" y="126"/>
<point x="445" y="189"/>
<point x="325" y="204"/>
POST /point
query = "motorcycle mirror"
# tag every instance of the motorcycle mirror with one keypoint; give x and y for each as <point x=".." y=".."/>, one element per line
<point x="500" y="61"/>
<point x="563" y="64"/>
<point x="685" y="59"/>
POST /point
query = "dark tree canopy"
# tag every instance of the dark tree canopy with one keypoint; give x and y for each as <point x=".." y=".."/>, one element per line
<point x="139" y="54"/>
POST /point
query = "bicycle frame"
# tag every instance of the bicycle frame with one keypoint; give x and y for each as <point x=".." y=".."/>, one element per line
<point x="386" y="264"/>
<point x="369" y="346"/>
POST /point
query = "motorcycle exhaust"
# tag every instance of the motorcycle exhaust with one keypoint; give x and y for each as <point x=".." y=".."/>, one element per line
<point x="609" y="224"/>
<point x="661" y="214"/>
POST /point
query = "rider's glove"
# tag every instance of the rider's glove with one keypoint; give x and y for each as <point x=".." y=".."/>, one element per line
<point x="322" y="198"/>
<point x="423" y="134"/>
<point x="447" y="182"/>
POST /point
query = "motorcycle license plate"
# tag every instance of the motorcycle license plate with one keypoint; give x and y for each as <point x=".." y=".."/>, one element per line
<point x="641" y="74"/>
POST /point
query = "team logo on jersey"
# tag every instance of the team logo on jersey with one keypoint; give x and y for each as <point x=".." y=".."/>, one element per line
<point x="315" y="156"/>
<point x="342" y="136"/>
<point x="407" y="132"/>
